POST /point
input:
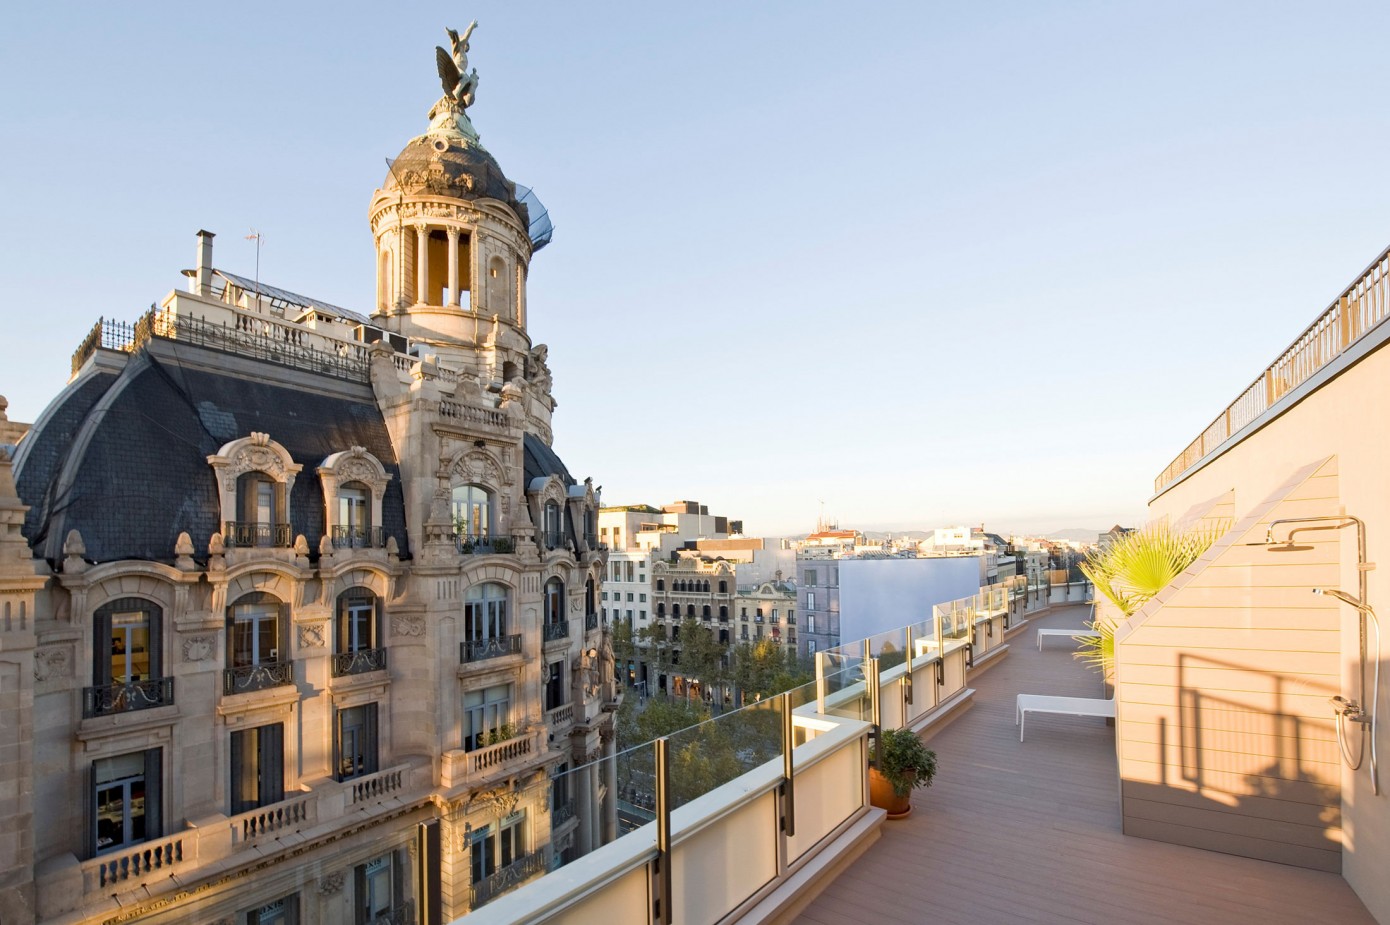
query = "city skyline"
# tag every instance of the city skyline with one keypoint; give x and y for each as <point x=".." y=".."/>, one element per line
<point x="909" y="263"/>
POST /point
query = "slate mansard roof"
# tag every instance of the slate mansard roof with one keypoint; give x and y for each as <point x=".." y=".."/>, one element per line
<point x="121" y="457"/>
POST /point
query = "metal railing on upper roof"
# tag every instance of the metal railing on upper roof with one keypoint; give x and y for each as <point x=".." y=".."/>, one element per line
<point x="1362" y="306"/>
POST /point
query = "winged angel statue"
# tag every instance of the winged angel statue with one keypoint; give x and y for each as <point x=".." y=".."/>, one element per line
<point x="459" y="82"/>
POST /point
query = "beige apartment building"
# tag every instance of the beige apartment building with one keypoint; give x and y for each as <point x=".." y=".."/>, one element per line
<point x="767" y="611"/>
<point x="1249" y="705"/>
<point x="299" y="607"/>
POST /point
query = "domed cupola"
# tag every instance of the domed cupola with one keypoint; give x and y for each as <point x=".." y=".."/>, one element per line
<point x="454" y="237"/>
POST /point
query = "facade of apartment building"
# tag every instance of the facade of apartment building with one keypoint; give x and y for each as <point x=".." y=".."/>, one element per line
<point x="1227" y="731"/>
<point x="687" y="588"/>
<point x="767" y="611"/>
<point x="817" y="604"/>
<point x="299" y="609"/>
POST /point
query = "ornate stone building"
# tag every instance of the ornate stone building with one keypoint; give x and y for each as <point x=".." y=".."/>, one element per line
<point x="298" y="608"/>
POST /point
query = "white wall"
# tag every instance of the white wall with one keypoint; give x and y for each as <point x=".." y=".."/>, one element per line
<point x="877" y="595"/>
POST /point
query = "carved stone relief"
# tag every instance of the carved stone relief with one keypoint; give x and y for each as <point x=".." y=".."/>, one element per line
<point x="407" y="625"/>
<point x="331" y="883"/>
<point x="311" y="636"/>
<point x="199" y="648"/>
<point x="52" y="662"/>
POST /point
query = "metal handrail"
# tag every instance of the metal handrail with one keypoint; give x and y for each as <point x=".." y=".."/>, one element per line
<point x="1362" y="306"/>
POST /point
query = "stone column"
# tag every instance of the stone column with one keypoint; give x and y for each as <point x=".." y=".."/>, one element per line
<point x="610" y="795"/>
<point x="453" y="266"/>
<point x="422" y="263"/>
<point x="586" y="810"/>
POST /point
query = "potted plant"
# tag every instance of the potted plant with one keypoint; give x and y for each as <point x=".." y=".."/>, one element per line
<point x="898" y="764"/>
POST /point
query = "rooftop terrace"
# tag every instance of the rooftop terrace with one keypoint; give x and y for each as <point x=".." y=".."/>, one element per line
<point x="1030" y="831"/>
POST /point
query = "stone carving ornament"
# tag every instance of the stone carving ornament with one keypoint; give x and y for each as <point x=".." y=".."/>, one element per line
<point x="311" y="636"/>
<point x="199" y="648"/>
<point x="331" y="883"/>
<point x="52" y="662"/>
<point x="407" y="625"/>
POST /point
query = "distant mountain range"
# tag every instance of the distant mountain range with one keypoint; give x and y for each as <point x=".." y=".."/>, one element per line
<point x="1075" y="534"/>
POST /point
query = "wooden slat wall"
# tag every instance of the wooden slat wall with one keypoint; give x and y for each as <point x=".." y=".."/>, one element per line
<point x="1224" y="733"/>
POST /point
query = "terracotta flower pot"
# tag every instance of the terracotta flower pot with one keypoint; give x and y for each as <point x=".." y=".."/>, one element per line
<point x="881" y="794"/>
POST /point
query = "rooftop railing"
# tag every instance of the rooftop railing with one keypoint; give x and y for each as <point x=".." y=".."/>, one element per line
<point x="1362" y="306"/>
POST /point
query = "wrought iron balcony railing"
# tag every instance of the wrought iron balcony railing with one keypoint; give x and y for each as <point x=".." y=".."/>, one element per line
<point x="477" y="650"/>
<point x="257" y="677"/>
<point x="127" y="696"/>
<point x="590" y="622"/>
<point x="508" y="878"/>
<point x="241" y="533"/>
<point x="480" y="544"/>
<point x="560" y="629"/>
<point x="561" y="814"/>
<point x="359" y="662"/>
<point x="357" y="537"/>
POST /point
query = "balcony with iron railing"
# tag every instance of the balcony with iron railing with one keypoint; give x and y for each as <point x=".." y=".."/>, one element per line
<point x="555" y="630"/>
<point x="127" y="696"/>
<point x="247" y="678"/>
<point x="355" y="537"/>
<point x="483" y="544"/>
<point x="478" y="650"/>
<point x="508" y="878"/>
<point x="590" y="622"/>
<point x="1361" y="308"/>
<point x="250" y="534"/>
<point x="358" y="662"/>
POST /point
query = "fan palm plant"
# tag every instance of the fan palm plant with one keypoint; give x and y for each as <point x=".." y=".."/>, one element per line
<point x="1131" y="571"/>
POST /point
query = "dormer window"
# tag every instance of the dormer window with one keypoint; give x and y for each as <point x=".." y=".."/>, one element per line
<point x="261" y="517"/>
<point x="554" y="525"/>
<point x="255" y="476"/>
<point x="354" y="526"/>
<point x="354" y="482"/>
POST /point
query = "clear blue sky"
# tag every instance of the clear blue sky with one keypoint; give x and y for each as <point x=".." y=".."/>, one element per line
<point x="925" y="262"/>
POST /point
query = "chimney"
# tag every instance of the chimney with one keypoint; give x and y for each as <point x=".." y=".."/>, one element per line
<point x="202" y="275"/>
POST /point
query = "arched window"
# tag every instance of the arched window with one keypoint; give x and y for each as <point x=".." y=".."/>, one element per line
<point x="554" y="601"/>
<point x="661" y="584"/>
<point x="704" y="586"/>
<point x="660" y="610"/>
<point x="128" y="658"/>
<point x="357" y="633"/>
<point x="705" y="612"/>
<point x="384" y="282"/>
<point x="257" y="644"/>
<point x="723" y="587"/>
<point x="472" y="513"/>
<point x="723" y="613"/>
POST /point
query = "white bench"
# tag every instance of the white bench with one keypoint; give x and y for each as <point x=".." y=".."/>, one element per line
<point x="1074" y="634"/>
<point x="1066" y="706"/>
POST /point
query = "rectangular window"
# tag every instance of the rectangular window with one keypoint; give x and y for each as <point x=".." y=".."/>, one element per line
<point x="555" y="687"/>
<point x="258" y="772"/>
<point x="356" y="742"/>
<point x="810" y="623"/>
<point x="834" y="577"/>
<point x="283" y="911"/>
<point x="617" y="571"/>
<point x="255" y="634"/>
<point x="630" y="567"/>
<point x="641" y="615"/>
<point x="810" y="600"/>
<point x="642" y="598"/>
<point x="810" y="578"/>
<point x="352" y="509"/>
<point x="125" y="800"/>
<point x="493" y="849"/>
<point x="486" y="714"/>
<point x="379" y="886"/>
<point x="357" y="623"/>
<point x="629" y="597"/>
<point x="810" y="647"/>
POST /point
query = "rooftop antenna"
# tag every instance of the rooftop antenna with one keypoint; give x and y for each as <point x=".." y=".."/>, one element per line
<point x="259" y="237"/>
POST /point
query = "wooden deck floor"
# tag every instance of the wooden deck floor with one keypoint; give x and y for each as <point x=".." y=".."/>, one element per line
<point x="1030" y="832"/>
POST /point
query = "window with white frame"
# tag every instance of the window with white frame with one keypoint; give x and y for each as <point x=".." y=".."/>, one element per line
<point x="472" y="512"/>
<point x="255" y="630"/>
<point x="497" y="847"/>
<point x="486" y="716"/>
<point x="485" y="612"/>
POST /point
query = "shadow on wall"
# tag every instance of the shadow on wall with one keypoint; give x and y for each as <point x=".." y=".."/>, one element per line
<point x="1242" y="753"/>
